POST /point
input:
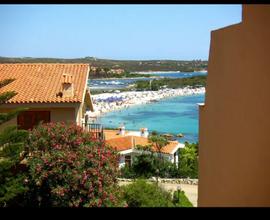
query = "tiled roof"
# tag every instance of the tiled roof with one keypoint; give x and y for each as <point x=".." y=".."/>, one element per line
<point x="121" y="143"/>
<point x="109" y="134"/>
<point x="40" y="82"/>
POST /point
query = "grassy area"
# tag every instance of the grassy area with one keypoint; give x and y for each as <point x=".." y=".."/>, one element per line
<point x="182" y="201"/>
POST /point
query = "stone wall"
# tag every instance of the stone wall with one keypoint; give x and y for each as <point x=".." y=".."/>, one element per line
<point x="164" y="180"/>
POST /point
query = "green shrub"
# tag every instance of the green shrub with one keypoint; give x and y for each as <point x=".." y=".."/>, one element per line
<point x="180" y="199"/>
<point x="70" y="168"/>
<point x="154" y="133"/>
<point x="12" y="139"/>
<point x="188" y="161"/>
<point x="127" y="172"/>
<point x="149" y="165"/>
<point x="144" y="165"/>
<point x="168" y="170"/>
<point x="143" y="194"/>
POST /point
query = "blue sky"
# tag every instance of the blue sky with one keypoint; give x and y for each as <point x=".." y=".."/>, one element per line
<point x="180" y="32"/>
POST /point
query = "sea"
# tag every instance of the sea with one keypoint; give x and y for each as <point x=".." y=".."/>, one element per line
<point x="171" y="115"/>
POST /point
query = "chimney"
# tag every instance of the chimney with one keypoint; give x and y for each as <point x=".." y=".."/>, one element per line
<point x="122" y="130"/>
<point x="67" y="86"/>
<point x="133" y="142"/>
<point x="144" y="132"/>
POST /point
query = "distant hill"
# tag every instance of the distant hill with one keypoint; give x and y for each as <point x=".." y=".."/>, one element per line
<point x="127" y="65"/>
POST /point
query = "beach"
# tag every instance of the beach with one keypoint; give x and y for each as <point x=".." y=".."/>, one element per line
<point x="107" y="102"/>
<point x="156" y="72"/>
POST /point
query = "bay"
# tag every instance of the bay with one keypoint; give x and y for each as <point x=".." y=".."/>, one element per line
<point x="173" y="115"/>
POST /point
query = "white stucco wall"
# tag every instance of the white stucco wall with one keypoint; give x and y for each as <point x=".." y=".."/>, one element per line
<point x="122" y="161"/>
<point x="133" y="153"/>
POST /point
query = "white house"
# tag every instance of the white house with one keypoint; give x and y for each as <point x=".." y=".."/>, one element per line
<point x="125" y="143"/>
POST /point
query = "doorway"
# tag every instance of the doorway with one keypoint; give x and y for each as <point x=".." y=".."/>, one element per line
<point x="28" y="119"/>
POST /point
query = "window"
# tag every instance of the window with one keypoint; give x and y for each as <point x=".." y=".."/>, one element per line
<point x="128" y="160"/>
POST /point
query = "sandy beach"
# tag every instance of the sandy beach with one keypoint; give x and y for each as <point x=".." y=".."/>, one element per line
<point x="156" y="72"/>
<point x="107" y="102"/>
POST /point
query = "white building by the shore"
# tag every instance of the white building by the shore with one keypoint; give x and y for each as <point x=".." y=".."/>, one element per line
<point x="125" y="143"/>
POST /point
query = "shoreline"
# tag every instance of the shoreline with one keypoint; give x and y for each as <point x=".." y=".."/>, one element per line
<point x="113" y="78"/>
<point x="156" y="72"/>
<point x="165" y="72"/>
<point x="108" y="102"/>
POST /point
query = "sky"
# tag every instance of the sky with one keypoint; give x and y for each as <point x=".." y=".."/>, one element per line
<point x="129" y="32"/>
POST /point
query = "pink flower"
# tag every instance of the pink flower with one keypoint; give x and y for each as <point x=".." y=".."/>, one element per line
<point x="99" y="202"/>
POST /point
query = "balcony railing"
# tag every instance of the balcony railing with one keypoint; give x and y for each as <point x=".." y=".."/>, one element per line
<point x="95" y="129"/>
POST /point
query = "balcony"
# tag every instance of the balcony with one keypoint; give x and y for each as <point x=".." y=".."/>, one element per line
<point x="95" y="129"/>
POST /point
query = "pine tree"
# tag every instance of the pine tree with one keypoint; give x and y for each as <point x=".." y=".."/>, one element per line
<point x="159" y="143"/>
<point x="11" y="155"/>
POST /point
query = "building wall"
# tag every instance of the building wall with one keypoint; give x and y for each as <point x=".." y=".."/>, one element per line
<point x="57" y="115"/>
<point x="67" y="112"/>
<point x="122" y="161"/>
<point x="234" y="125"/>
<point x="133" y="153"/>
<point x="63" y="114"/>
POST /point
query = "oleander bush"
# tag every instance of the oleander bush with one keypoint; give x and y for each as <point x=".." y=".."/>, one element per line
<point x="70" y="168"/>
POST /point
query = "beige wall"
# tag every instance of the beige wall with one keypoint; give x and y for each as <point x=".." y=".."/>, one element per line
<point x="63" y="114"/>
<point x="234" y="125"/>
<point x="67" y="112"/>
<point x="57" y="115"/>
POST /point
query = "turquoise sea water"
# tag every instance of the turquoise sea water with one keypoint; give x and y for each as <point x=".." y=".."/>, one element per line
<point x="173" y="115"/>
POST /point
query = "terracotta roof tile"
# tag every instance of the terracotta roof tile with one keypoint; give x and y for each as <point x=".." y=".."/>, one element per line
<point x="40" y="82"/>
<point x="109" y="134"/>
<point x="121" y="143"/>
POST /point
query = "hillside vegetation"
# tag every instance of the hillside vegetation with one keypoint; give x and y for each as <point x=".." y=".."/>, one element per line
<point x="127" y="65"/>
<point x="195" y="81"/>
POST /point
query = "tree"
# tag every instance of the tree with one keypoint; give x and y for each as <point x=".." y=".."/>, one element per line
<point x="11" y="155"/>
<point x="144" y="164"/>
<point x="4" y="117"/>
<point x="158" y="142"/>
<point x="188" y="160"/>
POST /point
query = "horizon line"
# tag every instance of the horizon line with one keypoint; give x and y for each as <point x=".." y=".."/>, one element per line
<point x="93" y="57"/>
